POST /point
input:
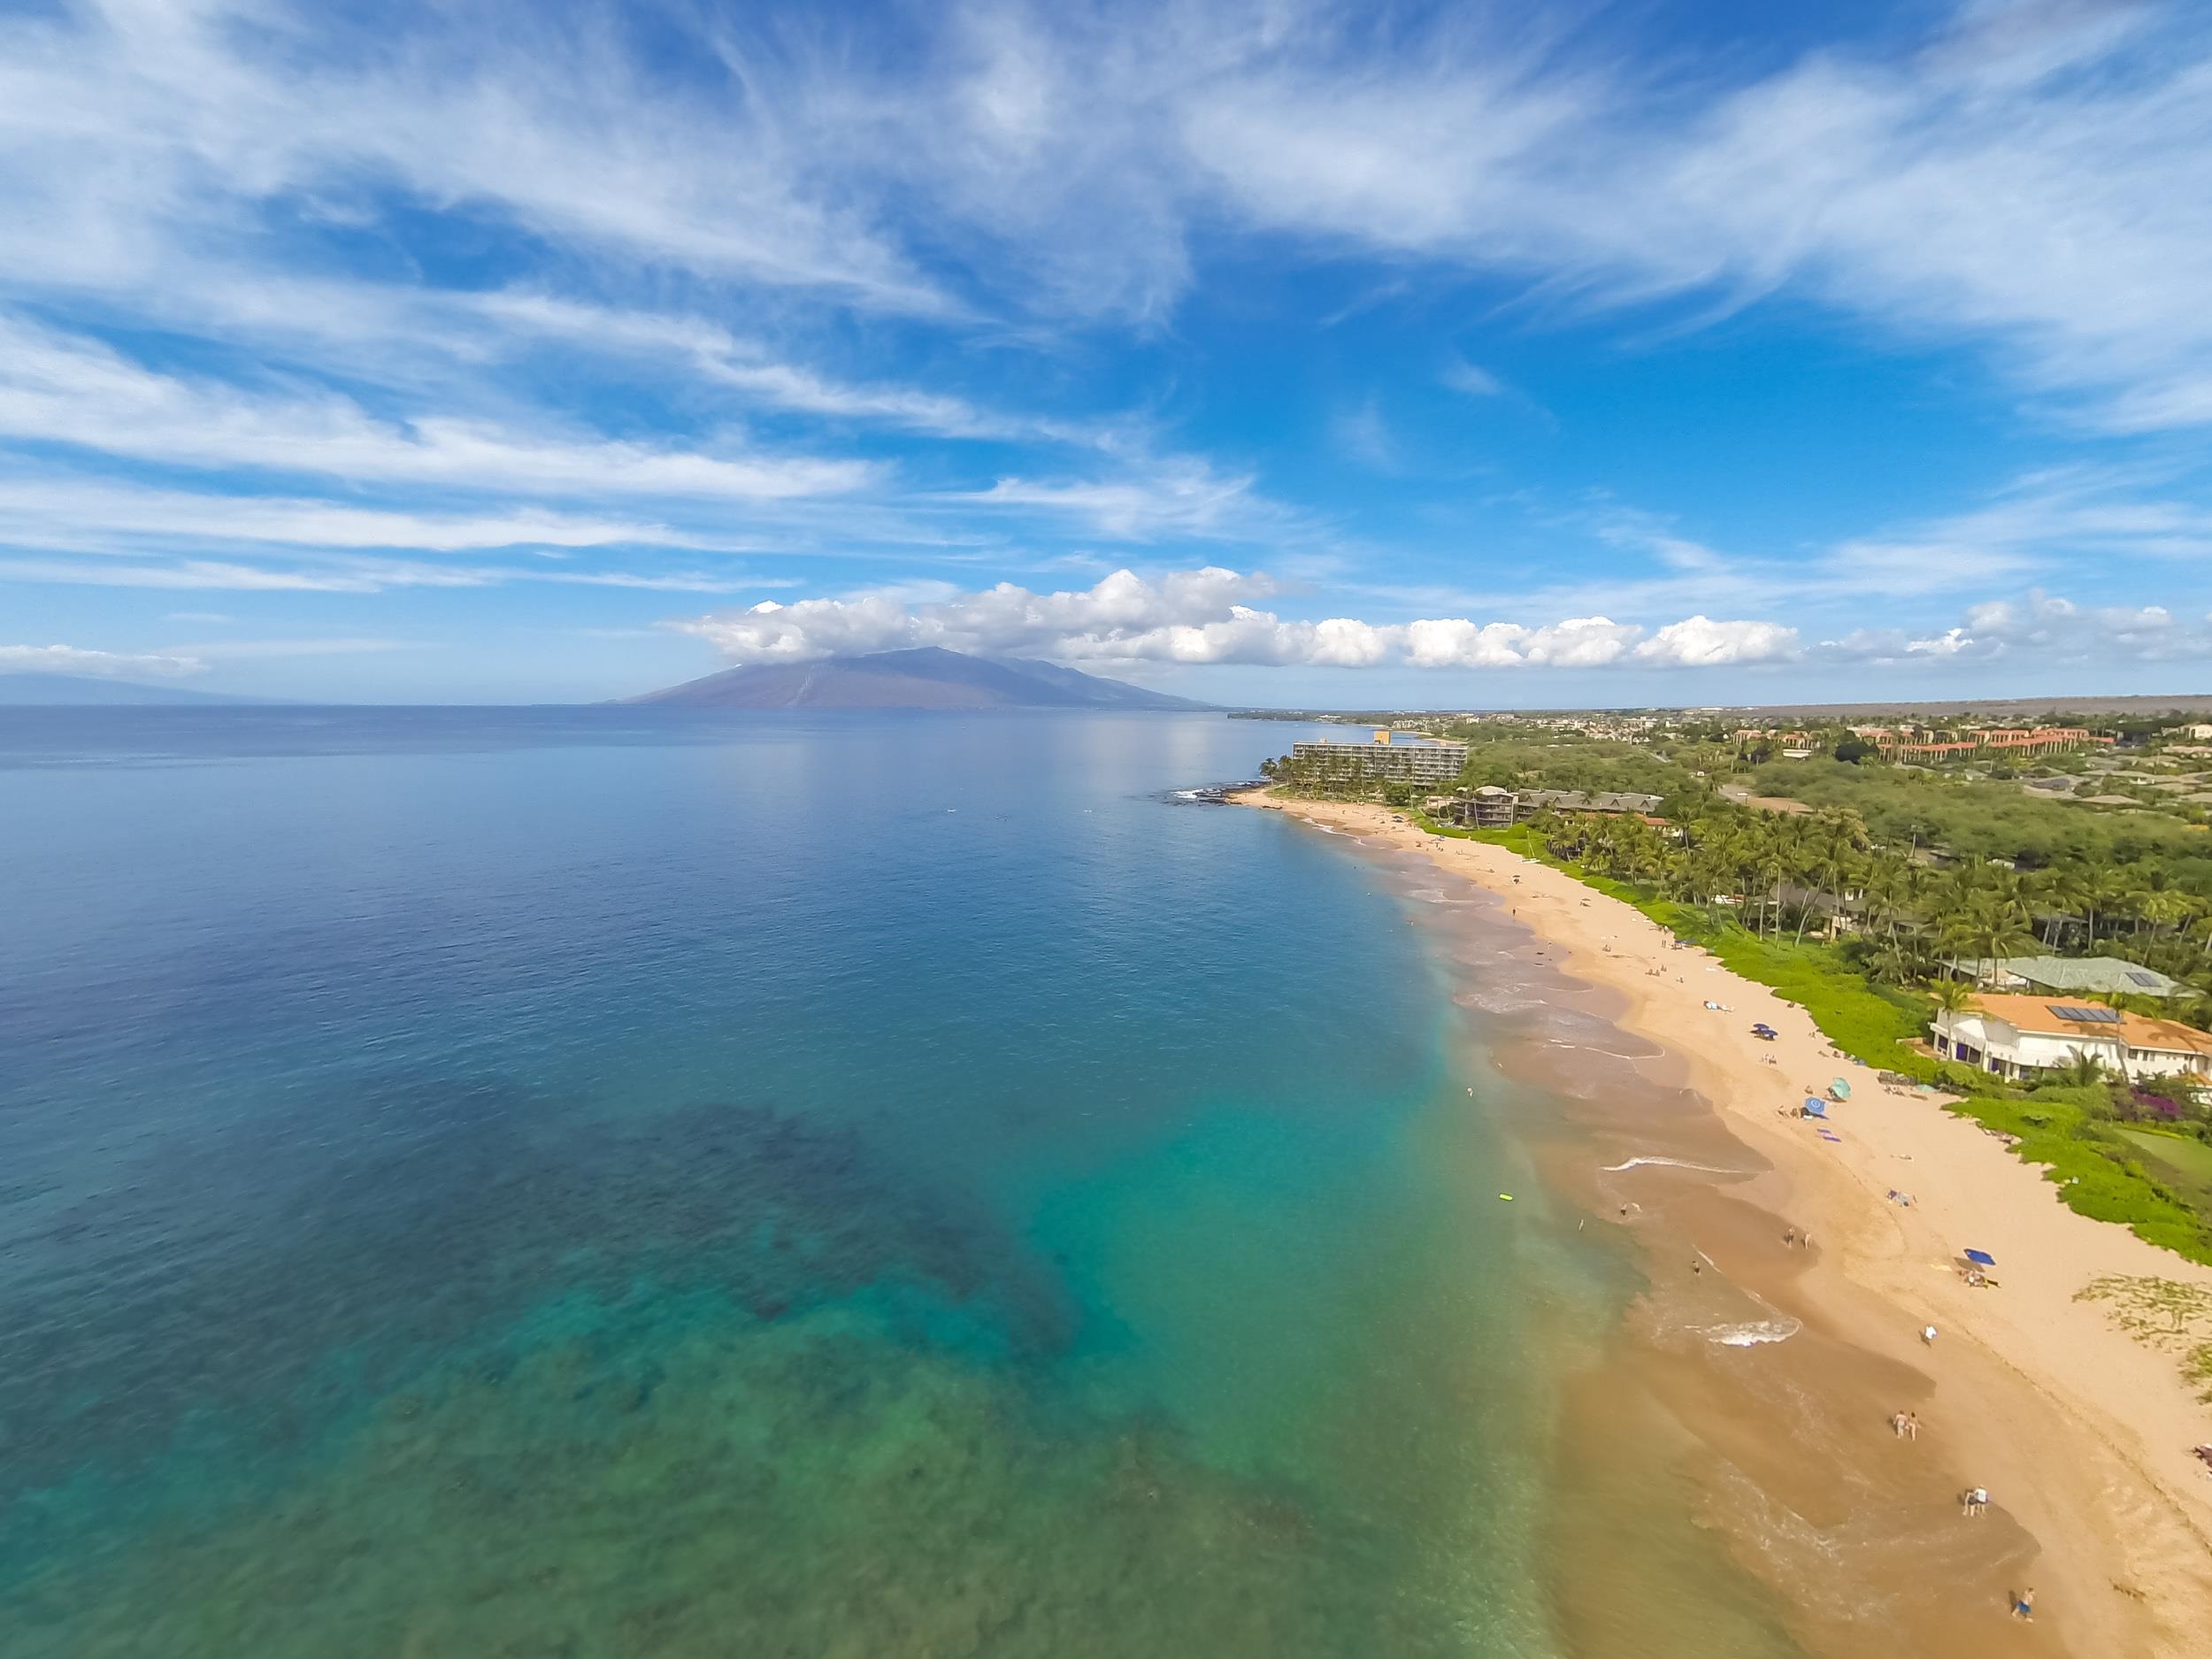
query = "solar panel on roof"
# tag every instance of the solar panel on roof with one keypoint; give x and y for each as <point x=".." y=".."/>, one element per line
<point x="2151" y="980"/>
<point x="2087" y="1016"/>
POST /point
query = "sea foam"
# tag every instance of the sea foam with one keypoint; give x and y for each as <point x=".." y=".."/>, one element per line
<point x="1671" y="1163"/>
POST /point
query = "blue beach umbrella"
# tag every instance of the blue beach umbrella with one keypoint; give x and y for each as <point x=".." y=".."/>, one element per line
<point x="1814" y="1107"/>
<point x="1981" y="1258"/>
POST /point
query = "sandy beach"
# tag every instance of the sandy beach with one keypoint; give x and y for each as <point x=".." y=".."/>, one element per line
<point x="2080" y="1432"/>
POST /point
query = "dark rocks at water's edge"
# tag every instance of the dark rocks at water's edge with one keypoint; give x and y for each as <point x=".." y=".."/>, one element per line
<point x="1217" y="794"/>
<point x="926" y="678"/>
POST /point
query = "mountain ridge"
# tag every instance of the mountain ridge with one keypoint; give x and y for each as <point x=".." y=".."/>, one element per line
<point x="35" y="688"/>
<point x="924" y="677"/>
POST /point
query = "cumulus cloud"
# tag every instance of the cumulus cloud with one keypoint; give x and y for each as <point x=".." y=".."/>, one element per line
<point x="2044" y="627"/>
<point x="71" y="660"/>
<point x="1207" y="617"/>
<point x="1701" y="642"/>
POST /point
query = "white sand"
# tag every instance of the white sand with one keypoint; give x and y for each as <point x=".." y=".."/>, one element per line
<point x="2080" y="1431"/>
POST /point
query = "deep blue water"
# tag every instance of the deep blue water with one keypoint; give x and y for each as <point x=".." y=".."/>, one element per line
<point x="612" y="1182"/>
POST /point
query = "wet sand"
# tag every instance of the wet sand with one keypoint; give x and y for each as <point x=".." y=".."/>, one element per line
<point x="1764" y="1376"/>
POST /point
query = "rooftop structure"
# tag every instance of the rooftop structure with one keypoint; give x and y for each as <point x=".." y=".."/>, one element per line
<point x="2101" y="976"/>
<point x="2017" y="1036"/>
<point x="1534" y="801"/>
<point x="1992" y="740"/>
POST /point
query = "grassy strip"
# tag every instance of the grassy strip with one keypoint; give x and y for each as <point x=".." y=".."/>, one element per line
<point x="2096" y="1170"/>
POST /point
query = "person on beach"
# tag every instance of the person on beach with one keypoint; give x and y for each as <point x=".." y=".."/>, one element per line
<point x="2023" y="1604"/>
<point x="1897" y="1424"/>
<point x="1912" y="1425"/>
<point x="1789" y="1240"/>
<point x="1927" y="1336"/>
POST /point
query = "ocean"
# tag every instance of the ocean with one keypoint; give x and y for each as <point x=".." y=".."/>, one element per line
<point x="621" y="1182"/>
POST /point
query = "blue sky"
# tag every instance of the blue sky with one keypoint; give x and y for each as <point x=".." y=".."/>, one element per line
<point x="1308" y="353"/>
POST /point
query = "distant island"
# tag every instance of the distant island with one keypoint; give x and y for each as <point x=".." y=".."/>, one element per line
<point x="928" y="677"/>
<point x="55" y="691"/>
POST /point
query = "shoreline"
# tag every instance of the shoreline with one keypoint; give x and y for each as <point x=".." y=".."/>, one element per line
<point x="2081" y="1434"/>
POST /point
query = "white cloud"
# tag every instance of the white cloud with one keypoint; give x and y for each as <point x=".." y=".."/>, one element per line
<point x="2041" y="188"/>
<point x="1701" y="642"/>
<point x="353" y="575"/>
<point x="2033" y="176"/>
<point x="2045" y="629"/>
<point x="1362" y="433"/>
<point x="1207" y="617"/>
<point x="70" y="659"/>
<point x="56" y="512"/>
<point x="1471" y="379"/>
<point x="1578" y="642"/>
<point x="67" y="388"/>
<point x="138" y="126"/>
<point x="722" y="358"/>
<point x="1179" y="496"/>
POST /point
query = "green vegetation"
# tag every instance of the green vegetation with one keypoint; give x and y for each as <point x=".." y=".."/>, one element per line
<point x="2181" y="1161"/>
<point x="2073" y="1126"/>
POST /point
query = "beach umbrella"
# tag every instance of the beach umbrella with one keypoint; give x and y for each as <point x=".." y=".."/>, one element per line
<point x="1981" y="1258"/>
<point x="1841" y="1089"/>
<point x="1814" y="1107"/>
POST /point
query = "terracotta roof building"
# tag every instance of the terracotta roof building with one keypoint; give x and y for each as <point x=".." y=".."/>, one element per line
<point x="2019" y="1036"/>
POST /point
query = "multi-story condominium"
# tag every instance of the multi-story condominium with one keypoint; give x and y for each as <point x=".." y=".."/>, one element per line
<point x="1425" y="762"/>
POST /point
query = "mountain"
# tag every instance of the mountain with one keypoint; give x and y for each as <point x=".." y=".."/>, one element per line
<point x="926" y="678"/>
<point x="40" y="690"/>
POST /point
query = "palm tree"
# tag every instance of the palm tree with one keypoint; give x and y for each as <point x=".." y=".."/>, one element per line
<point x="2109" y="891"/>
<point x="2066" y="890"/>
<point x="2082" y="1071"/>
<point x="1951" y="995"/>
<point x="1990" y="926"/>
<point x="1890" y="884"/>
<point x="2164" y="906"/>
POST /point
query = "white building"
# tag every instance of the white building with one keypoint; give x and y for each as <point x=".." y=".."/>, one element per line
<point x="2018" y="1036"/>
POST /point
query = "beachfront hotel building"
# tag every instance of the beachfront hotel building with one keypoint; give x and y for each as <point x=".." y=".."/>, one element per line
<point x="2018" y="1036"/>
<point x="1427" y="761"/>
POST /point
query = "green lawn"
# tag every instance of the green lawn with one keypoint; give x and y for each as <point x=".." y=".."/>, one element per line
<point x="2187" y="1162"/>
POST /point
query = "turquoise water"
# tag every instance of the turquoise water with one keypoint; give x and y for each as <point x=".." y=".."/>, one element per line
<point x="591" y="1183"/>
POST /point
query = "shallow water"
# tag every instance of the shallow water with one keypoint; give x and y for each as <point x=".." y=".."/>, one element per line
<point x="574" y="1181"/>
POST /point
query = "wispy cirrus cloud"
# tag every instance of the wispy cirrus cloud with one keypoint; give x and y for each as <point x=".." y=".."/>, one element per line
<point x="1177" y="495"/>
<point x="59" y="388"/>
<point x="60" y="510"/>
<point x="473" y="296"/>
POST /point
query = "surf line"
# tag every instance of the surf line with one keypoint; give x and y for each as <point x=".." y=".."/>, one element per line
<point x="1673" y="1163"/>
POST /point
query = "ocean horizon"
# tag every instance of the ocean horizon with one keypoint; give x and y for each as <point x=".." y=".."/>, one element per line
<point x="603" y="1181"/>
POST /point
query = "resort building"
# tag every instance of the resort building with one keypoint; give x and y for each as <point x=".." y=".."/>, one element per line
<point x="1488" y="807"/>
<point x="2019" y="1036"/>
<point x="1535" y="801"/>
<point x="1423" y="762"/>
<point x="2076" y="976"/>
<point x="1491" y="806"/>
<point x="1988" y="742"/>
